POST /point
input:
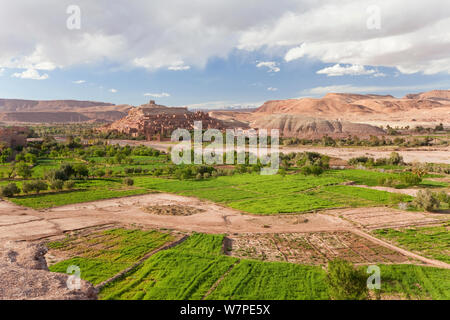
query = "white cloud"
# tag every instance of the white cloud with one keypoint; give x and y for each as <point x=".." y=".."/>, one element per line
<point x="179" y="66"/>
<point x="413" y="36"/>
<point x="157" y="95"/>
<point x="351" y="70"/>
<point x="2" y="70"/>
<point x="79" y="81"/>
<point x="30" y="74"/>
<point x="272" y="66"/>
<point x="349" y="88"/>
<point x="159" y="34"/>
<point x="113" y="90"/>
<point x="272" y="89"/>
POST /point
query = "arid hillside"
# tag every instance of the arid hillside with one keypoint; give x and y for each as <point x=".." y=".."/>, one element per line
<point x="61" y="111"/>
<point x="433" y="106"/>
<point x="300" y="126"/>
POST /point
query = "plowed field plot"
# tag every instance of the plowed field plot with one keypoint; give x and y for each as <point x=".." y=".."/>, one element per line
<point x="311" y="248"/>
<point x="385" y="217"/>
<point x="101" y="255"/>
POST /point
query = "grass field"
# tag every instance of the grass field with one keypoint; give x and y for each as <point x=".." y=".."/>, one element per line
<point x="255" y="194"/>
<point x="102" y="255"/>
<point x="84" y="191"/>
<point x="255" y="280"/>
<point x="432" y="242"/>
<point x="252" y="193"/>
<point x="197" y="269"/>
<point x="415" y="282"/>
<point x="189" y="270"/>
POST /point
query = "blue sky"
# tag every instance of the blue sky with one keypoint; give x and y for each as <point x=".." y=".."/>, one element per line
<point x="188" y="57"/>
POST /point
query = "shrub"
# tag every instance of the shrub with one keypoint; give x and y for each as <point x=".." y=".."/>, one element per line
<point x="358" y="160"/>
<point x="69" y="184"/>
<point x="128" y="181"/>
<point x="345" y="282"/>
<point x="36" y="186"/>
<point x="57" y="184"/>
<point x="99" y="173"/>
<point x="22" y="169"/>
<point x="443" y="197"/>
<point x="395" y="158"/>
<point x="79" y="170"/>
<point x="311" y="170"/>
<point x="9" y="190"/>
<point x="410" y="179"/>
<point x="426" y="200"/>
<point x="56" y="174"/>
<point x="67" y="169"/>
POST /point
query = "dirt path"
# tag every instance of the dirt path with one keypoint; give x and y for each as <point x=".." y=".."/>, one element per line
<point x="432" y="262"/>
<point x="409" y="192"/>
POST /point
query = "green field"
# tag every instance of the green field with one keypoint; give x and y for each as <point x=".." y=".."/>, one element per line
<point x="432" y="242"/>
<point x="102" y="255"/>
<point x="251" y="193"/>
<point x="84" y="191"/>
<point x="415" y="282"/>
<point x="254" y="193"/>
<point x="197" y="269"/>
<point x="255" y="280"/>
<point x="190" y="270"/>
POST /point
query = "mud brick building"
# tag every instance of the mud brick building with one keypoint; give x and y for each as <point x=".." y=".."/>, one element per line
<point x="157" y="122"/>
<point x="14" y="136"/>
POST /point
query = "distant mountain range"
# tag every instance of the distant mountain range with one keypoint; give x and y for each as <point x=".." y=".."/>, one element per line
<point x="61" y="111"/>
<point x="336" y="111"/>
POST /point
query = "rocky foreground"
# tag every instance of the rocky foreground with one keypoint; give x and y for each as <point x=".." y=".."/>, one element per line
<point x="24" y="275"/>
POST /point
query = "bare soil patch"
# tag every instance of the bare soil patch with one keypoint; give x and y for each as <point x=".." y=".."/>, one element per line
<point x="173" y="210"/>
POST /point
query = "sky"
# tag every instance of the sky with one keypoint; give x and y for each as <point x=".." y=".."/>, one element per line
<point x="214" y="54"/>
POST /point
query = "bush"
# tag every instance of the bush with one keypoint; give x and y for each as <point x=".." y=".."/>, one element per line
<point x="345" y="282"/>
<point x="56" y="174"/>
<point x="410" y="179"/>
<point x="23" y="170"/>
<point x="311" y="170"/>
<point x="99" y="173"/>
<point x="395" y="158"/>
<point x="79" y="170"/>
<point x="68" y="185"/>
<point x="9" y="190"/>
<point x="426" y="200"/>
<point x="36" y="186"/>
<point x="128" y="181"/>
<point x="358" y="160"/>
<point x="57" y="184"/>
